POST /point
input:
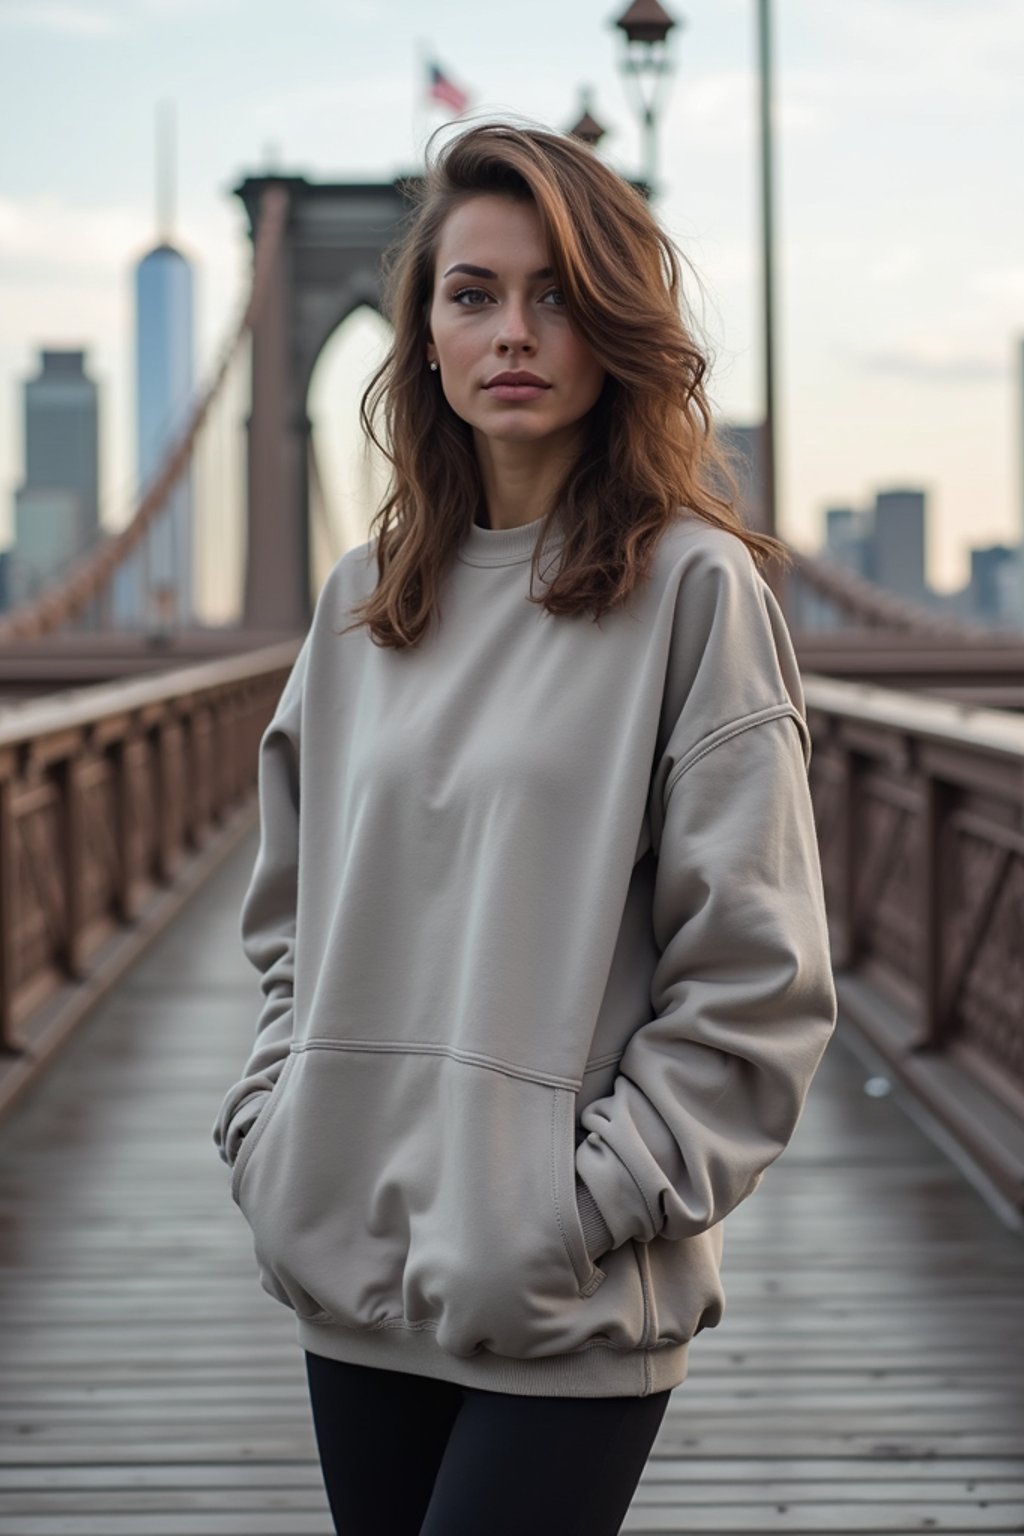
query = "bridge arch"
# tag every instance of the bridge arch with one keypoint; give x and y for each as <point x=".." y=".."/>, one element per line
<point x="325" y="267"/>
<point x="348" y="478"/>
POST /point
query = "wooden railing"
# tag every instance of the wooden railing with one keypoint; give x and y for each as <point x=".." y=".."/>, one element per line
<point x="988" y="672"/>
<point x="114" y="802"/>
<point x="116" y="799"/>
<point x="919" y="804"/>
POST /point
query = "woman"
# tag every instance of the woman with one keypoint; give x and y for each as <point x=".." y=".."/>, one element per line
<point x="537" y="905"/>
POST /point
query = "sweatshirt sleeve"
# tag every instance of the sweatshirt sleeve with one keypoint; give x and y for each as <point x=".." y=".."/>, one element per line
<point x="710" y="1089"/>
<point x="267" y="919"/>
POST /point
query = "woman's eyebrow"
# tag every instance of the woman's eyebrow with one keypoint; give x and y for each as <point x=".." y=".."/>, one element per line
<point x="465" y="266"/>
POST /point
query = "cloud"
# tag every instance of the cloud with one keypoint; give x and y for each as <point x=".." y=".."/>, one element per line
<point x="63" y="17"/>
<point x="46" y="241"/>
<point x="717" y="96"/>
<point x="49" y="317"/>
<point x="1004" y="284"/>
<point x="922" y="53"/>
<point x="99" y="18"/>
<point x="42" y="235"/>
<point x="895" y="265"/>
<point x="720" y="105"/>
<point x="938" y="363"/>
<point x="339" y="100"/>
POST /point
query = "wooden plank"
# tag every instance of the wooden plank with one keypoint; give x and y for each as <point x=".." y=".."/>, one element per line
<point x="970" y="1475"/>
<point x="868" y="1375"/>
<point x="652" y="1500"/>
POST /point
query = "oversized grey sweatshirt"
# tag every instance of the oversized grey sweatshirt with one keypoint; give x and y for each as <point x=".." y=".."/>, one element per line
<point x="538" y="914"/>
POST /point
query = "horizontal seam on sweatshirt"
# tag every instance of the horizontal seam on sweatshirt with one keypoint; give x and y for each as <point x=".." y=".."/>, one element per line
<point x="725" y="733"/>
<point x="432" y="1048"/>
<point x="502" y="560"/>
<point x="429" y="1325"/>
<point x="603" y="1061"/>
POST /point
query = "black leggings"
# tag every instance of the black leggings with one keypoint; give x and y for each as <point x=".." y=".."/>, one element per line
<point x="406" y="1455"/>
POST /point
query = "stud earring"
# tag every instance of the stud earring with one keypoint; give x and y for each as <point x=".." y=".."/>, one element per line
<point x="433" y="367"/>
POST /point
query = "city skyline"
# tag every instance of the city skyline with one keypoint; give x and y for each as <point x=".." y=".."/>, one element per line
<point x="904" y="375"/>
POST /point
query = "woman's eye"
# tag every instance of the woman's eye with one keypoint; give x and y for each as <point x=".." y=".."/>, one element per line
<point x="462" y="293"/>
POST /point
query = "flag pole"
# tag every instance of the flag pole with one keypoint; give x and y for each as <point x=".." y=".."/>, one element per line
<point x="419" y="101"/>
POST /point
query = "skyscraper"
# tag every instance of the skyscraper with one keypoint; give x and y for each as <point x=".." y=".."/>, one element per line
<point x="746" y="443"/>
<point x="155" y="584"/>
<point x="56" y="508"/>
<point x="986" y="588"/>
<point x="848" y="539"/>
<point x="898" y="545"/>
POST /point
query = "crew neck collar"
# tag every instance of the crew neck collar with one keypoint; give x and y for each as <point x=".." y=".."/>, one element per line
<point x="505" y="546"/>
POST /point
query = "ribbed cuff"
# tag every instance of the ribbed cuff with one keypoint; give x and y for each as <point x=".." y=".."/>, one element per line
<point x="596" y="1232"/>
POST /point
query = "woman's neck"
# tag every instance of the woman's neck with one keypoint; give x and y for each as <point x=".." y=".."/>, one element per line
<point x="520" y="479"/>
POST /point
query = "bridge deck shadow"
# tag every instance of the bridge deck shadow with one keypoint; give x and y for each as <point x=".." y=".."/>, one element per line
<point x="868" y="1375"/>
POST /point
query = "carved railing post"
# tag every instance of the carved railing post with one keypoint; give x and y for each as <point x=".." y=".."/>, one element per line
<point x="167" y="774"/>
<point x="849" y="826"/>
<point x="7" y="969"/>
<point x="933" y="1014"/>
<point x="75" y="874"/>
<point x="201" y="759"/>
<point x="123" y="887"/>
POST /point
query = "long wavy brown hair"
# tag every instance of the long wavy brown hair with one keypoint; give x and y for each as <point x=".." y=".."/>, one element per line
<point x="650" y="447"/>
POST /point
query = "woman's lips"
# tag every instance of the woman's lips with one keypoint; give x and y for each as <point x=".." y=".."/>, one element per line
<point x="517" y="391"/>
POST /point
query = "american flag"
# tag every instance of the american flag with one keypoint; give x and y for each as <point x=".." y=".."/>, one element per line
<point x="445" y="91"/>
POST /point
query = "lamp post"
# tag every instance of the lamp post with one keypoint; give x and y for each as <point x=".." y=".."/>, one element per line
<point x="769" y="460"/>
<point x="646" y="66"/>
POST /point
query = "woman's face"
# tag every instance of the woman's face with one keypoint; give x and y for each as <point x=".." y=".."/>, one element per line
<point x="496" y="308"/>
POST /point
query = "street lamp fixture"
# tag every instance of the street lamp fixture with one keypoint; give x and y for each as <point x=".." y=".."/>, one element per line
<point x="646" y="65"/>
<point x="586" y="126"/>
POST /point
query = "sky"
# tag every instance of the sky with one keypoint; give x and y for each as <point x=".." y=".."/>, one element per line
<point x="898" y="210"/>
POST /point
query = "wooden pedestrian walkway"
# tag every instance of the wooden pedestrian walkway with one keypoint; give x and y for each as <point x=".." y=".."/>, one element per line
<point x="868" y="1375"/>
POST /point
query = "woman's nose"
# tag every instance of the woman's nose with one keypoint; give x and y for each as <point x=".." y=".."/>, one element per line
<point x="515" y="329"/>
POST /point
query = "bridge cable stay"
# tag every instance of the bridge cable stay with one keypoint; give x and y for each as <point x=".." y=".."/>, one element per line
<point x="869" y="604"/>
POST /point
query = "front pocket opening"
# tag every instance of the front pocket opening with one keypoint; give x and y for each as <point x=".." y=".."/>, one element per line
<point x="255" y="1131"/>
<point x="563" y="1163"/>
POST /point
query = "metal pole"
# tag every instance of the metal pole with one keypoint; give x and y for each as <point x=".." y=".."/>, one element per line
<point x="769" y="429"/>
<point x="650" y="147"/>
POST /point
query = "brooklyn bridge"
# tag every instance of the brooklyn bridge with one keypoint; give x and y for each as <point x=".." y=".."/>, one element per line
<point x="148" y="1385"/>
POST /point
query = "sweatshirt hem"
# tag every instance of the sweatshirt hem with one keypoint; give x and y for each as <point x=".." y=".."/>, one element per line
<point x="597" y="1371"/>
